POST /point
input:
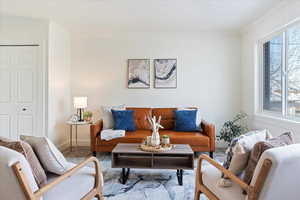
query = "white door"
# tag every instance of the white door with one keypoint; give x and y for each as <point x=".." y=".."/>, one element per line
<point x="20" y="91"/>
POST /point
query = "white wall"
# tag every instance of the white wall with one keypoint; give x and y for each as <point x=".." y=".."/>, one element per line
<point x="277" y="18"/>
<point x="59" y="88"/>
<point x="208" y="71"/>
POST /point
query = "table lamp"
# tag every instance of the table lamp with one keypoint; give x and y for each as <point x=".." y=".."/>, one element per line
<point x="80" y="103"/>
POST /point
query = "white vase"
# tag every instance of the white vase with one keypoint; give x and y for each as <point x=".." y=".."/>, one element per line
<point x="155" y="139"/>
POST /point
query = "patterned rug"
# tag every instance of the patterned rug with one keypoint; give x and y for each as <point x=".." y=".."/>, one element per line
<point x="142" y="184"/>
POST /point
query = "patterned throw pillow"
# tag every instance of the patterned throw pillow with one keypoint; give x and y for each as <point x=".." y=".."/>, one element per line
<point x="242" y="145"/>
<point x="260" y="147"/>
<point x="25" y="149"/>
<point x="238" y="152"/>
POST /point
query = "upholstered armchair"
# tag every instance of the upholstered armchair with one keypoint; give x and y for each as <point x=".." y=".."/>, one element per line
<point x="17" y="181"/>
<point x="276" y="177"/>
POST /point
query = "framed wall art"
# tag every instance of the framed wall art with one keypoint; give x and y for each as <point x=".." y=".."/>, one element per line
<point x="165" y="71"/>
<point x="138" y="73"/>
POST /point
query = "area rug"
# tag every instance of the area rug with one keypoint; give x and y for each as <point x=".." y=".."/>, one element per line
<point x="142" y="184"/>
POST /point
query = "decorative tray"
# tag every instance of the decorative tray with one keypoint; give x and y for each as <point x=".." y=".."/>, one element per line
<point x="159" y="148"/>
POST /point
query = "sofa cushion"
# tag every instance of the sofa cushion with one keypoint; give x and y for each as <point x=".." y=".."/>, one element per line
<point x="191" y="138"/>
<point x="74" y="187"/>
<point x="105" y="112"/>
<point x="185" y="120"/>
<point x="123" y="120"/>
<point x="140" y="117"/>
<point x="210" y="178"/>
<point x="167" y="117"/>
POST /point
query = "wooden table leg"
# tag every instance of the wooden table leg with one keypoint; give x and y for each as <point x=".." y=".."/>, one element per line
<point x="180" y="176"/>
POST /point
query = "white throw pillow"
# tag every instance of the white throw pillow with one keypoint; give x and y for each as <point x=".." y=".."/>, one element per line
<point x="51" y="158"/>
<point x="108" y="120"/>
<point x="198" y="117"/>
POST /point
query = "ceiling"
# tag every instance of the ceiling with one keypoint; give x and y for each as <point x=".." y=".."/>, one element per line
<point x="143" y="15"/>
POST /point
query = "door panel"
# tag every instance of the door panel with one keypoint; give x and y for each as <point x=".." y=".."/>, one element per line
<point x="5" y="130"/>
<point x="21" y="92"/>
<point x="25" y="86"/>
<point x="5" y="86"/>
<point x="25" y="125"/>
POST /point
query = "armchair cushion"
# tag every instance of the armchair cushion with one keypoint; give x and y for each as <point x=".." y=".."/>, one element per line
<point x="74" y="187"/>
<point x="283" y="179"/>
<point x="210" y="178"/>
<point x="25" y="149"/>
<point x="9" y="184"/>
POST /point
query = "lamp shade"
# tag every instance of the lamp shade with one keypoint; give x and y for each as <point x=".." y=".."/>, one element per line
<point x="80" y="102"/>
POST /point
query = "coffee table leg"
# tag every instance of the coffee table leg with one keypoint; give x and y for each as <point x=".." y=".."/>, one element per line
<point x="124" y="175"/>
<point x="180" y="176"/>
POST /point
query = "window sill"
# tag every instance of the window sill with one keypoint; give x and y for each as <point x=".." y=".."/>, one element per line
<point x="278" y="118"/>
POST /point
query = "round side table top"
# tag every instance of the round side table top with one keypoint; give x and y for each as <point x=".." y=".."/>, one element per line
<point x="79" y="123"/>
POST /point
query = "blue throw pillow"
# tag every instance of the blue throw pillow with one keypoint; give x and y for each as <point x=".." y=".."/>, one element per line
<point x="123" y="120"/>
<point x="185" y="120"/>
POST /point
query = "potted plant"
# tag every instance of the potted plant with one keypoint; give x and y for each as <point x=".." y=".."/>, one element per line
<point x="234" y="128"/>
<point x="87" y="116"/>
<point x="165" y="140"/>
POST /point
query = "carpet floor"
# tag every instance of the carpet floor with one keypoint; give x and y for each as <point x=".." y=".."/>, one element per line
<point x="142" y="184"/>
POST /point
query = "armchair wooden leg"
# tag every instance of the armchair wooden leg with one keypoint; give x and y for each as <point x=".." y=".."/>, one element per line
<point x="99" y="197"/>
<point x="197" y="194"/>
<point x="211" y="154"/>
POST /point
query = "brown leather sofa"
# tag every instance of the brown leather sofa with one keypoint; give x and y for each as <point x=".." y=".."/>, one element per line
<point x="203" y="141"/>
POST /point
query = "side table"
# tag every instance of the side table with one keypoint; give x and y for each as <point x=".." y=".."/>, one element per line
<point x="76" y="124"/>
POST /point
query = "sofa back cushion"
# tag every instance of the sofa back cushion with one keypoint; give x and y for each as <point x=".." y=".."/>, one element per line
<point x="140" y="117"/>
<point x="167" y="117"/>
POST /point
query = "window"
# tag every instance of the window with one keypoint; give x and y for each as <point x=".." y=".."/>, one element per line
<point x="281" y="73"/>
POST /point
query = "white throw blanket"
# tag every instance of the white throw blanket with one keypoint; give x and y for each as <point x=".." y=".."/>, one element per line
<point x="109" y="134"/>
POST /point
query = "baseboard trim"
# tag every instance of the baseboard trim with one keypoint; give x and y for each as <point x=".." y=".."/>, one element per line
<point x="66" y="144"/>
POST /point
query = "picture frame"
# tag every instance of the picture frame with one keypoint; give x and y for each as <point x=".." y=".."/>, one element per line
<point x="138" y="74"/>
<point x="165" y="73"/>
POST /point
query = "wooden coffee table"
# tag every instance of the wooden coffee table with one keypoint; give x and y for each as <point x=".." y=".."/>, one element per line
<point x="127" y="156"/>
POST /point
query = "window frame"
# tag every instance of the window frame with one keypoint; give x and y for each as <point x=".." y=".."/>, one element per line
<point x="260" y="63"/>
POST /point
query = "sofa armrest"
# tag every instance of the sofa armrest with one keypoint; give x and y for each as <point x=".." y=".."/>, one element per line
<point x="209" y="130"/>
<point x="95" y="130"/>
<point x="96" y="191"/>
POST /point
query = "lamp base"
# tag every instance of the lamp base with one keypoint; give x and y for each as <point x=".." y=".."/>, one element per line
<point x="80" y="114"/>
